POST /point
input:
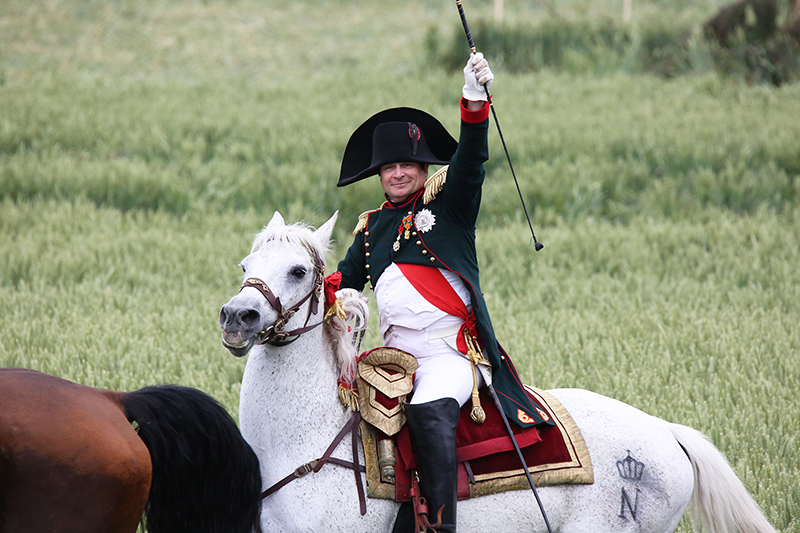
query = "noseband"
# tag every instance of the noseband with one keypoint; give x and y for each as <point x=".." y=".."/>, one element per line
<point x="275" y="335"/>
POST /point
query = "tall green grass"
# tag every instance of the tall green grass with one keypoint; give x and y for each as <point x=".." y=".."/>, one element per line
<point x="692" y="321"/>
<point x="611" y="146"/>
<point x="662" y="39"/>
<point x="143" y="144"/>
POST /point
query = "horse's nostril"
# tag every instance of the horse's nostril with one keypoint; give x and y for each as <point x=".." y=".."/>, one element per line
<point x="249" y="317"/>
<point x="223" y="316"/>
<point x="231" y="318"/>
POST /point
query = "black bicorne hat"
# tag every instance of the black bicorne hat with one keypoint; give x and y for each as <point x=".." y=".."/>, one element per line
<point x="395" y="135"/>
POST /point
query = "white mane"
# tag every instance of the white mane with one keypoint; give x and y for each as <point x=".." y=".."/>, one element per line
<point x="344" y="333"/>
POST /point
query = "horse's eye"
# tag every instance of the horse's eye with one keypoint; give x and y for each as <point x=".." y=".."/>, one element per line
<point x="299" y="272"/>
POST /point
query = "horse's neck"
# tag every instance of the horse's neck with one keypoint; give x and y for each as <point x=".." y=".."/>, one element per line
<point x="289" y="404"/>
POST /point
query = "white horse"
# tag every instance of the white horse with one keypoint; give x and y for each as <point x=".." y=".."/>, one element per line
<point x="290" y="412"/>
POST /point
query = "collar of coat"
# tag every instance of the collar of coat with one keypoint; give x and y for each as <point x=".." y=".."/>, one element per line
<point x="433" y="186"/>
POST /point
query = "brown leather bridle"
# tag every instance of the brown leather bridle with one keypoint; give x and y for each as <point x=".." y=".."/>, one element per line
<point x="274" y="334"/>
<point x="316" y="465"/>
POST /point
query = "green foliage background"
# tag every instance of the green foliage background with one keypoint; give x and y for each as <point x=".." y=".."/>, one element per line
<point x="143" y="144"/>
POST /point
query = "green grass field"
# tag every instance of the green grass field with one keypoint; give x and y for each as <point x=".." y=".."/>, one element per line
<point x="143" y="144"/>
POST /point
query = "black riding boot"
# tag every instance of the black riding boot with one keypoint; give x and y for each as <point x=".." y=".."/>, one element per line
<point x="432" y="427"/>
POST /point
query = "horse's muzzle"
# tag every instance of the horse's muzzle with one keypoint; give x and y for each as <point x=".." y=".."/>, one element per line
<point x="234" y="344"/>
<point x="239" y="327"/>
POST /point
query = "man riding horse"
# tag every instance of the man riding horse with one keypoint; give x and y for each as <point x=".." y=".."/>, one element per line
<point x="417" y="252"/>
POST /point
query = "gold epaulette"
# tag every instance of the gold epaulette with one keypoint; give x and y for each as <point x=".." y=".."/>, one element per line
<point x="362" y="222"/>
<point x="434" y="184"/>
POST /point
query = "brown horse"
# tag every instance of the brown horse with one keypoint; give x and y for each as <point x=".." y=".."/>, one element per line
<point x="79" y="459"/>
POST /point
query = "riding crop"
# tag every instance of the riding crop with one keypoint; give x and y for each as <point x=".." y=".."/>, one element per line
<point x="537" y="245"/>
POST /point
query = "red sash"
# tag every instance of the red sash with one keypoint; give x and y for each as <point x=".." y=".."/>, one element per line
<point x="434" y="287"/>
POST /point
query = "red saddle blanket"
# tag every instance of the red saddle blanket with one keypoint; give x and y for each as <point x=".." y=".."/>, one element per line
<point x="488" y="462"/>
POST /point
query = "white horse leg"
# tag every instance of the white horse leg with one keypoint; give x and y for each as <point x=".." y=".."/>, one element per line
<point x="719" y="501"/>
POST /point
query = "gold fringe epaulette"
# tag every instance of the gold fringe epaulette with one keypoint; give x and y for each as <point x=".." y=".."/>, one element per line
<point x="434" y="184"/>
<point x="362" y="222"/>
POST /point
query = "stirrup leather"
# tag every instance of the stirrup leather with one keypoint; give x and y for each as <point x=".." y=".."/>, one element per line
<point x="421" y="521"/>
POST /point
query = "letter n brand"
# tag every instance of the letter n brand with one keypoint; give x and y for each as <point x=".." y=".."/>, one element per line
<point x="626" y="502"/>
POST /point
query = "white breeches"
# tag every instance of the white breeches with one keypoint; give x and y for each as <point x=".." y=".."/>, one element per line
<point x="412" y="324"/>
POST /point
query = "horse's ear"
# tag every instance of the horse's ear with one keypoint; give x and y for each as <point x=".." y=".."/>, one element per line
<point x="323" y="234"/>
<point x="274" y="224"/>
<point x="277" y="221"/>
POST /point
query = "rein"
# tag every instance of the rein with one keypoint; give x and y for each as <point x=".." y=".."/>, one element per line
<point x="275" y="335"/>
<point x="317" y="464"/>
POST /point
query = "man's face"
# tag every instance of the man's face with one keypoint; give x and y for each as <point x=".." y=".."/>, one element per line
<point x="401" y="180"/>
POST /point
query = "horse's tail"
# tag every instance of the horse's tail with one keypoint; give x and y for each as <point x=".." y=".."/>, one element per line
<point x="720" y="502"/>
<point x="206" y="478"/>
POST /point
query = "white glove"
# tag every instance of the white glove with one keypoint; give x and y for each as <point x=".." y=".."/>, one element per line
<point x="345" y="294"/>
<point x="477" y="75"/>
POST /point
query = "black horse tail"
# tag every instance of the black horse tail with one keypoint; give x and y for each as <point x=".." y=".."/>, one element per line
<point x="206" y="478"/>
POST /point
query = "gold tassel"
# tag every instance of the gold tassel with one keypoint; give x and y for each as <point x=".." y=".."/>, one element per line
<point x="335" y="309"/>
<point x="434" y="184"/>
<point x="349" y="398"/>
<point x="478" y="415"/>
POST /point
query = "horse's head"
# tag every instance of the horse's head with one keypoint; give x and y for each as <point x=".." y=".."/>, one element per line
<point x="281" y="295"/>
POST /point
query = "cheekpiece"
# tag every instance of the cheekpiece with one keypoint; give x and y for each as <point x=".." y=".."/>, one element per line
<point x="400" y="134"/>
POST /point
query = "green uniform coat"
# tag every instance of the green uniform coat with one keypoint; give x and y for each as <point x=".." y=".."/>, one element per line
<point x="448" y="243"/>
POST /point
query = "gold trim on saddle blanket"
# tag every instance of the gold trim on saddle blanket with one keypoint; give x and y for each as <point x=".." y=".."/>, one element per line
<point x="386" y="371"/>
<point x="578" y="469"/>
